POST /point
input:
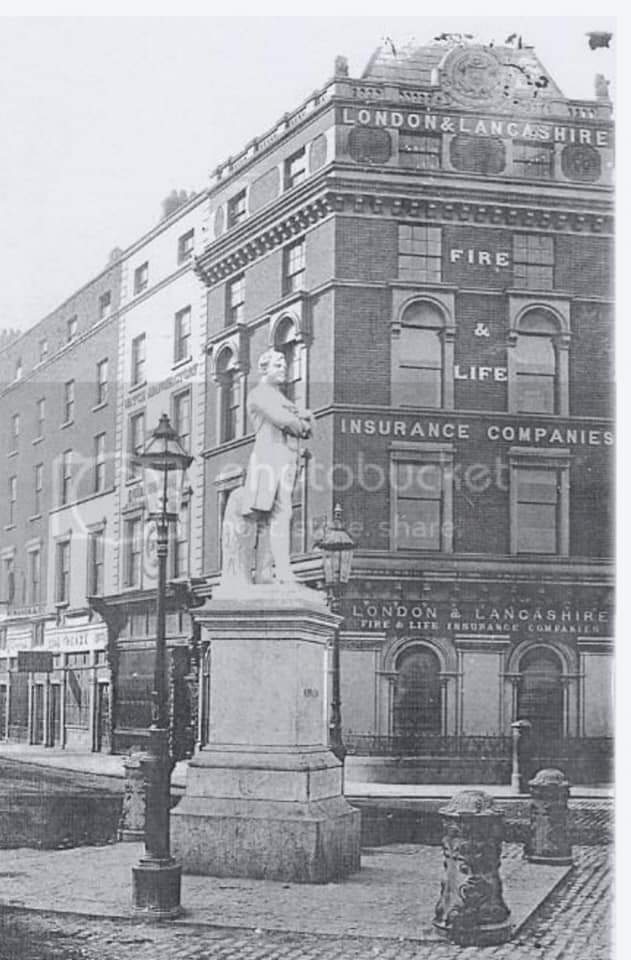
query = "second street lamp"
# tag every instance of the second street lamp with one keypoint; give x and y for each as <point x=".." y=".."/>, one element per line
<point x="337" y="557"/>
<point x="157" y="878"/>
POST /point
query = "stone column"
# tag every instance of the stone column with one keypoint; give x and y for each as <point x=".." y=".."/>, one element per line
<point x="471" y="909"/>
<point x="264" y="796"/>
<point x="548" y="839"/>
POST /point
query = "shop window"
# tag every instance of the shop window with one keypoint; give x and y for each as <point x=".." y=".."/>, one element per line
<point x="418" y="375"/>
<point x="533" y="261"/>
<point x="419" y="151"/>
<point x="419" y="253"/>
<point x="540" y="694"/>
<point x="417" y="708"/>
<point x="77" y="691"/>
<point x="422" y="499"/>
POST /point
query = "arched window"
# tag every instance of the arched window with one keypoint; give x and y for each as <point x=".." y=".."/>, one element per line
<point x="536" y="363"/>
<point x="417" y="696"/>
<point x="540" y="698"/>
<point x="418" y="379"/>
<point x="228" y="381"/>
<point x="286" y="341"/>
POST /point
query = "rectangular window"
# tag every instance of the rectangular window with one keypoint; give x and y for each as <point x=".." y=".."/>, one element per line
<point x="537" y="506"/>
<point x="136" y="444"/>
<point x="96" y="562"/>
<point x="8" y="570"/>
<point x="141" y="277"/>
<point x="68" y="412"/>
<point x="18" y="368"/>
<point x="138" y="358"/>
<point x="15" y="432"/>
<point x="34" y="576"/>
<point x="235" y="300"/>
<point x="99" y="462"/>
<point x="66" y="476"/>
<point x="419" y="151"/>
<point x="419" y="506"/>
<point x="40" y="410"/>
<point x="77" y="691"/>
<point x="420" y="253"/>
<point x="534" y="161"/>
<point x="133" y="552"/>
<point x="101" y="382"/>
<point x="38" y="485"/>
<point x="43" y="349"/>
<point x="182" y="335"/>
<point x="62" y="567"/>
<point x="179" y="547"/>
<point x="533" y="261"/>
<point x="182" y="418"/>
<point x="185" y="246"/>
<point x="13" y="496"/>
<point x="294" y="267"/>
<point x="295" y="168"/>
<point x="237" y="209"/>
<point x="71" y="328"/>
<point x="105" y="305"/>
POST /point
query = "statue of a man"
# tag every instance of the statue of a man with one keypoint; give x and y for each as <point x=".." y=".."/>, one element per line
<point x="279" y="426"/>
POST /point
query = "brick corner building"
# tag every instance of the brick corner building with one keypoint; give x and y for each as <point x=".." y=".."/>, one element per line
<point x="430" y="246"/>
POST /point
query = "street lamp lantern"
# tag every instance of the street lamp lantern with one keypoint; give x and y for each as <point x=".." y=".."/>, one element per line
<point x="337" y="549"/>
<point x="156" y="880"/>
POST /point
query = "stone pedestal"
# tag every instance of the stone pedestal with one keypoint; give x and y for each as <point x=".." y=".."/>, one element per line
<point x="471" y="909"/>
<point x="264" y="797"/>
<point x="548" y="840"/>
<point x="131" y="826"/>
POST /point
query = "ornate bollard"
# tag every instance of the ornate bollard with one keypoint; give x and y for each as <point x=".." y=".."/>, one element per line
<point x="131" y="825"/>
<point x="471" y="909"/>
<point x="548" y="839"/>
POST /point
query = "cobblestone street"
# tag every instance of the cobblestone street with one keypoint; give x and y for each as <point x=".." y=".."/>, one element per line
<point x="573" y="924"/>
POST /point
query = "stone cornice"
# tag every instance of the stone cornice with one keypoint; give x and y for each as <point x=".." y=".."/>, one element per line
<point x="444" y="205"/>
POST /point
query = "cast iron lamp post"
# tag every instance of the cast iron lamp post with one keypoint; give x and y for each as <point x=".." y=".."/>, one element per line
<point x="157" y="878"/>
<point x="337" y="556"/>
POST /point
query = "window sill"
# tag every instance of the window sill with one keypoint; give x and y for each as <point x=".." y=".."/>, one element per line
<point x="135" y="387"/>
<point x="132" y="481"/>
<point x="36" y="516"/>
<point x="12" y="453"/>
<point x="61" y="604"/>
<point x="99" y="406"/>
<point x="9" y="526"/>
<point x="66" y="423"/>
<point x="37" y="440"/>
<point x="181" y="363"/>
<point x="185" y="259"/>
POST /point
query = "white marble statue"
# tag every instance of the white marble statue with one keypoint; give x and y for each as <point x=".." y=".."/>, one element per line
<point x="255" y="534"/>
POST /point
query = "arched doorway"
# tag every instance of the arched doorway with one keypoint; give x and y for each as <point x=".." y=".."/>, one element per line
<point x="540" y="697"/>
<point x="417" y="707"/>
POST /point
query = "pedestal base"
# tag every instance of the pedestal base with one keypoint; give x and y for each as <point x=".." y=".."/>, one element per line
<point x="269" y="816"/>
<point x="483" y="935"/>
<point x="156" y="888"/>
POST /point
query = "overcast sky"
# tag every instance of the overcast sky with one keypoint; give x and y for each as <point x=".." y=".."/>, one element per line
<point x="102" y="117"/>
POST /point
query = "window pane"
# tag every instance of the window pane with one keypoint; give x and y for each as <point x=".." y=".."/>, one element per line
<point x="536" y="528"/>
<point x="537" y="486"/>
<point x="535" y="394"/>
<point x="419" y="480"/>
<point x="417" y="524"/>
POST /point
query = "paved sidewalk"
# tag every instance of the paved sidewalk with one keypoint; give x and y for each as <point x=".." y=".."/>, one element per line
<point x="104" y="764"/>
<point x="392" y="896"/>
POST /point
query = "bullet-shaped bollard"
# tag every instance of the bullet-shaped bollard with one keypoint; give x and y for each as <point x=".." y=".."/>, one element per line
<point x="548" y="839"/>
<point x="471" y="909"/>
<point x="131" y="826"/>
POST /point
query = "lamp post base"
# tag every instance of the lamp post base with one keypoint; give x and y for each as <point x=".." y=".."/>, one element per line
<point x="156" y="886"/>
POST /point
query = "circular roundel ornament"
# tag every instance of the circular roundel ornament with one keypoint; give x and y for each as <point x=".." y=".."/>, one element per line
<point x="473" y="76"/>
<point x="581" y="162"/>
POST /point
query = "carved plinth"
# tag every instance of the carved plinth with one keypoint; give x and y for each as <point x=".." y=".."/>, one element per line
<point x="264" y="796"/>
<point x="131" y="826"/>
<point x="548" y="839"/>
<point x="471" y="910"/>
